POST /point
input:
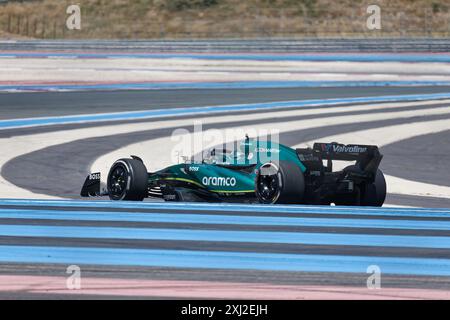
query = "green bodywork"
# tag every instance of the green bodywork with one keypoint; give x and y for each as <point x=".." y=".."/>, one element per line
<point x="229" y="173"/>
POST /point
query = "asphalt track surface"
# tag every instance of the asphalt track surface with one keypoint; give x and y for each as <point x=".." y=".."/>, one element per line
<point x="73" y="159"/>
<point x="47" y="104"/>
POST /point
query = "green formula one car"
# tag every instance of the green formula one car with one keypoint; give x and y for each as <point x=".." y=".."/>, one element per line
<point x="255" y="172"/>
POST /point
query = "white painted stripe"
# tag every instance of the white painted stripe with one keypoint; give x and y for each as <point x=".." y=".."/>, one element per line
<point x="74" y="69"/>
<point x="398" y="185"/>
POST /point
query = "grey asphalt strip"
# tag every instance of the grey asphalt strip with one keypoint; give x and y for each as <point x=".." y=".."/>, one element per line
<point x="304" y="214"/>
<point x="61" y="170"/>
<point x="431" y="154"/>
<point x="46" y="104"/>
<point x="415" y="201"/>
<point x="12" y="132"/>
<point x="227" y="275"/>
<point x="231" y="227"/>
<point x="249" y="44"/>
<point x="237" y="246"/>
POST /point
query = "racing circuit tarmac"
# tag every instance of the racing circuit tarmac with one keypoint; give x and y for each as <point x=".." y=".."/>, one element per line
<point x="47" y="104"/>
<point x="156" y="250"/>
<point x="78" y="154"/>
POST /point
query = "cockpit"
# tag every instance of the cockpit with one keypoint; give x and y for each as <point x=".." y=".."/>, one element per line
<point x="224" y="157"/>
<point x="244" y="153"/>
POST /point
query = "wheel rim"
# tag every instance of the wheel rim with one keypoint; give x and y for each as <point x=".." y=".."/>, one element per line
<point x="268" y="185"/>
<point x="118" y="181"/>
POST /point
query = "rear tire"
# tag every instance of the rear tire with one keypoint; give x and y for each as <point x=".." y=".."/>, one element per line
<point x="127" y="180"/>
<point x="374" y="194"/>
<point x="280" y="183"/>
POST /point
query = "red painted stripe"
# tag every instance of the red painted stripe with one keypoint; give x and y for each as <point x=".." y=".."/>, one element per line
<point x="206" y="289"/>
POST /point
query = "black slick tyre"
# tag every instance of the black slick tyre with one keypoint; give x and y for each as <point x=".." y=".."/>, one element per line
<point x="127" y="180"/>
<point x="374" y="194"/>
<point x="280" y="183"/>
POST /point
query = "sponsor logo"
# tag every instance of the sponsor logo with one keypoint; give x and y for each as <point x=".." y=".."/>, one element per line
<point x="343" y="149"/>
<point x="195" y="169"/>
<point x="94" y="176"/>
<point x="219" y="181"/>
<point x="267" y="150"/>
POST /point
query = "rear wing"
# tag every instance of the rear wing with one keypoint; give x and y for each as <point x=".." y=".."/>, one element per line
<point x="367" y="157"/>
<point x="349" y="152"/>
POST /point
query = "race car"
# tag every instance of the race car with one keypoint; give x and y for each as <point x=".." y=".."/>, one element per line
<point x="256" y="172"/>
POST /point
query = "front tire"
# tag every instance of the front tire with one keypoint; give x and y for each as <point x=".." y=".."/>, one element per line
<point x="127" y="180"/>
<point x="280" y="183"/>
